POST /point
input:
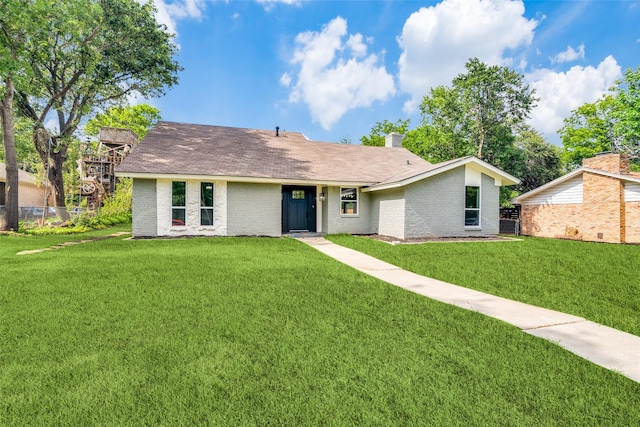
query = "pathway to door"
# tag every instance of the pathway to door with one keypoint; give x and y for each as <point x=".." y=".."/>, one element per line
<point x="604" y="346"/>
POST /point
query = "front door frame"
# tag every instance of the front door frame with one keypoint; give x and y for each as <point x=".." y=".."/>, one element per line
<point x="310" y="208"/>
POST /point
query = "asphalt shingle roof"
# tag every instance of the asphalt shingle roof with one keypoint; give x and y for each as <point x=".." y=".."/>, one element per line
<point x="188" y="149"/>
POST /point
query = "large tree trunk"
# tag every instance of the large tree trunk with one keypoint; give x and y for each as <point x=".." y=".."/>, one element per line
<point x="10" y="218"/>
<point x="56" y="178"/>
<point x="53" y="160"/>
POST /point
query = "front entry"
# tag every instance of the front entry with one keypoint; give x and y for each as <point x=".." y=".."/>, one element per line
<point x="298" y="209"/>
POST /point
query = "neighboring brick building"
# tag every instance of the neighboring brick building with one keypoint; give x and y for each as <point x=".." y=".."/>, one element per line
<point x="599" y="202"/>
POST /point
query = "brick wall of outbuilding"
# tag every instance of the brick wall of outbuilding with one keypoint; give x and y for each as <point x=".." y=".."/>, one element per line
<point x="602" y="208"/>
<point x="603" y="215"/>
<point x="558" y="221"/>
<point x="632" y="225"/>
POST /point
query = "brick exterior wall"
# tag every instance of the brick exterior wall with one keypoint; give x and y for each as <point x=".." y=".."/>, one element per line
<point x="615" y="163"/>
<point x="333" y="222"/>
<point x="558" y="221"/>
<point x="254" y="209"/>
<point x="602" y="208"/>
<point x="603" y="215"/>
<point x="632" y="223"/>
<point x="389" y="212"/>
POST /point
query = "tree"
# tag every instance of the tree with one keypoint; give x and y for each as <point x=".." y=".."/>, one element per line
<point x="626" y="115"/>
<point x="10" y="217"/>
<point x="139" y="118"/>
<point x="381" y="129"/>
<point x="14" y="24"/>
<point x="478" y="115"/>
<point x="612" y="123"/>
<point x="589" y="130"/>
<point x="86" y="54"/>
<point x="540" y="161"/>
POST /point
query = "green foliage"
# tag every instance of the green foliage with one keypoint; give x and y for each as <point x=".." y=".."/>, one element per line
<point x="478" y="115"/>
<point x="139" y="118"/>
<point x="626" y="115"/>
<point x="52" y="230"/>
<point x="118" y="204"/>
<point x="26" y="154"/>
<point x="588" y="131"/>
<point x="382" y="129"/>
<point x="610" y="124"/>
<point x="116" y="210"/>
<point x="539" y="161"/>
<point x="85" y="54"/>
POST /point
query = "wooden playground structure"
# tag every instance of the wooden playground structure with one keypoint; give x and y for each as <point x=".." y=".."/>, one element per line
<point x="97" y="169"/>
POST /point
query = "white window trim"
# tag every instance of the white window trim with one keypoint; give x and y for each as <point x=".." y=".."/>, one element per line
<point x="186" y="185"/>
<point x="357" y="202"/>
<point x="479" y="208"/>
<point x="212" y="208"/>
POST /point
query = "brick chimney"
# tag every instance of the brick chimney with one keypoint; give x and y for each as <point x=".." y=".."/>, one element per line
<point x="608" y="162"/>
<point x="603" y="199"/>
<point x="393" y="140"/>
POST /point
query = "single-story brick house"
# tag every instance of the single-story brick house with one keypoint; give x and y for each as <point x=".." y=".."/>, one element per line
<point x="211" y="180"/>
<point x="598" y="202"/>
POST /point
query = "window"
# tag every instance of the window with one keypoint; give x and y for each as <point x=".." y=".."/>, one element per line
<point x="298" y="194"/>
<point x="472" y="206"/>
<point x="178" y="203"/>
<point x="349" y="201"/>
<point x="206" y="203"/>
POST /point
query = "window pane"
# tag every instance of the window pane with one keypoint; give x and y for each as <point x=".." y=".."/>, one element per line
<point x="178" y="217"/>
<point x="471" y="218"/>
<point x="206" y="194"/>
<point x="472" y="197"/>
<point x="349" y="208"/>
<point x="298" y="194"/>
<point x="349" y="194"/>
<point x="206" y="216"/>
<point x="178" y="192"/>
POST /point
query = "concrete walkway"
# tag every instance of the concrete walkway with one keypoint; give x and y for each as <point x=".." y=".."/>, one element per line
<point x="604" y="346"/>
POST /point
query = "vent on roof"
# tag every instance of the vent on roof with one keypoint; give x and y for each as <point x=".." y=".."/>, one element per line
<point x="277" y="130"/>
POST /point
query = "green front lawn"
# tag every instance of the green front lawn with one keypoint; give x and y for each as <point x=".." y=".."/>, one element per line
<point x="597" y="281"/>
<point x="249" y="331"/>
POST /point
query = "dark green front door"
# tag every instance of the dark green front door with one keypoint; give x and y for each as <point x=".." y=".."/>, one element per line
<point x="298" y="209"/>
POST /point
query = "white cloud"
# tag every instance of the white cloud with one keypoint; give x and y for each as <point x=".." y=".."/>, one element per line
<point x="336" y="76"/>
<point x="285" y="80"/>
<point x="562" y="92"/>
<point x="437" y="41"/>
<point x="170" y="12"/>
<point x="270" y="4"/>
<point x="569" y="55"/>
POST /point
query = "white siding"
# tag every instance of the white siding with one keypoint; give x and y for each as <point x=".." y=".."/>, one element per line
<point x="567" y="192"/>
<point x="632" y="192"/>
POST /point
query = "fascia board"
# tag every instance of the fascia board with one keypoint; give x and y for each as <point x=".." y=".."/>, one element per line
<point x="495" y="174"/>
<point x="256" y="180"/>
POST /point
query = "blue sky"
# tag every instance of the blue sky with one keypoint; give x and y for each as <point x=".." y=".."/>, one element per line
<point x="332" y="69"/>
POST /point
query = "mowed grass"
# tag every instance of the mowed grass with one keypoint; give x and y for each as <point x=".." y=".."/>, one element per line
<point x="597" y="281"/>
<point x="257" y="331"/>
